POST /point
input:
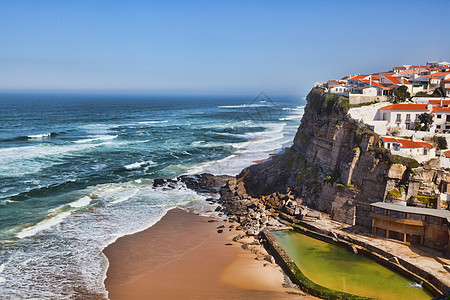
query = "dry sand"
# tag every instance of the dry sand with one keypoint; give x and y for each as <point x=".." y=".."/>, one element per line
<point x="184" y="257"/>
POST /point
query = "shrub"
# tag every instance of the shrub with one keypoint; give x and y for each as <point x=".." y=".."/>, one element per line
<point x="427" y="200"/>
<point x="440" y="142"/>
<point x="395" y="193"/>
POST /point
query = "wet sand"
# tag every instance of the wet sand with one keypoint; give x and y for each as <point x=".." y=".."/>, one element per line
<point x="184" y="257"/>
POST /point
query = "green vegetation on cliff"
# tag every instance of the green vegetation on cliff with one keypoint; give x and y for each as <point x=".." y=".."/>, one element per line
<point x="324" y="102"/>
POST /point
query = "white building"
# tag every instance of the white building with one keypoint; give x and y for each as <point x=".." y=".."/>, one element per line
<point x="445" y="159"/>
<point x="445" y="86"/>
<point x="369" y="91"/>
<point x="418" y="150"/>
<point x="340" y="89"/>
<point x="441" y="117"/>
<point x="401" y="116"/>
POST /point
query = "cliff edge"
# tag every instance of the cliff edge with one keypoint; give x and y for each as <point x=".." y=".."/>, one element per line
<point x="337" y="166"/>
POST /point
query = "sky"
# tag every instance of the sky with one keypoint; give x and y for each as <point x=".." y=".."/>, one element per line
<point x="210" y="46"/>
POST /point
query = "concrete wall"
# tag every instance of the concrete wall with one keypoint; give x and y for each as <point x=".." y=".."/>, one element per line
<point x="360" y="98"/>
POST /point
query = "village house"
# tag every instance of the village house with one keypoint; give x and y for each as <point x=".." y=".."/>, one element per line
<point x="445" y="85"/>
<point x="401" y="116"/>
<point x="339" y="89"/>
<point x="411" y="225"/>
<point x="441" y="118"/>
<point x="418" y="150"/>
<point x="445" y="159"/>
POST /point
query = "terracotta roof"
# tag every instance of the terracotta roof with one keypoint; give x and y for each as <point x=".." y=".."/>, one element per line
<point x="405" y="143"/>
<point x="380" y="86"/>
<point x="439" y="102"/>
<point x="425" y="144"/>
<point x="399" y="68"/>
<point x="447" y="80"/>
<point x="446" y="153"/>
<point x="437" y="109"/>
<point x="396" y="80"/>
<point x="406" y="106"/>
<point x="440" y="74"/>
<point x="357" y="77"/>
<point x="389" y="139"/>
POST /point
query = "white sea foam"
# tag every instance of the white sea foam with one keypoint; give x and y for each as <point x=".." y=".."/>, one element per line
<point x="244" y="105"/>
<point x="20" y="161"/>
<point x="96" y="139"/>
<point x="84" y="201"/>
<point x="40" y="136"/>
<point x="43" y="225"/>
<point x="153" y="122"/>
<point x="139" y="164"/>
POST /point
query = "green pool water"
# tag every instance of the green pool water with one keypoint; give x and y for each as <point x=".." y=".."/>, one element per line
<point x="339" y="269"/>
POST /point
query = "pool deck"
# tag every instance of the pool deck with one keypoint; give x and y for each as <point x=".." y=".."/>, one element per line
<point x="422" y="261"/>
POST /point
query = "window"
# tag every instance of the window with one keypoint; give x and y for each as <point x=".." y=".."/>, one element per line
<point x="408" y="118"/>
<point x="389" y="145"/>
<point x="384" y="116"/>
<point x="438" y="116"/>
<point x="433" y="220"/>
<point x="378" y="211"/>
<point x="438" y="126"/>
<point x="447" y="126"/>
<point x="396" y="214"/>
<point x="415" y="217"/>
<point x="448" y="118"/>
<point x="425" y="151"/>
<point x="399" y="118"/>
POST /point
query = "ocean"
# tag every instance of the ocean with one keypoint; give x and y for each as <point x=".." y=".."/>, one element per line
<point x="76" y="173"/>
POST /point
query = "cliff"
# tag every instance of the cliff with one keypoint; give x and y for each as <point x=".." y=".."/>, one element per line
<point x="337" y="166"/>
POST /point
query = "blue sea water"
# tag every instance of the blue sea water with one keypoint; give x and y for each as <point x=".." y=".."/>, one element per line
<point x="76" y="173"/>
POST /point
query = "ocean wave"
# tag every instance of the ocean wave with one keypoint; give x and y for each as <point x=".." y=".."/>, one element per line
<point x="69" y="245"/>
<point x="244" y="105"/>
<point x="42" y="135"/>
<point x="137" y="165"/>
<point x="153" y="122"/>
<point x="20" y="161"/>
<point x="43" y="225"/>
<point x="83" y="201"/>
<point x="96" y="139"/>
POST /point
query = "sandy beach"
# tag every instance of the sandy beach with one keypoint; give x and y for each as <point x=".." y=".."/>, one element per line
<point x="184" y="257"/>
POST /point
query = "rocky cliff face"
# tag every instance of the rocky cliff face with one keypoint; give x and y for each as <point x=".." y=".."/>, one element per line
<point x="337" y="166"/>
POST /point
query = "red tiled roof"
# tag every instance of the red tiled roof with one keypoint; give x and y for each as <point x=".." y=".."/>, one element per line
<point x="357" y="77"/>
<point x="446" y="153"/>
<point x="399" y="68"/>
<point x="439" y="102"/>
<point x="388" y="139"/>
<point x="397" y="80"/>
<point x="404" y="143"/>
<point x="380" y="86"/>
<point x="447" y="80"/>
<point x="425" y="144"/>
<point x="437" y="109"/>
<point x="440" y="74"/>
<point x="406" y="106"/>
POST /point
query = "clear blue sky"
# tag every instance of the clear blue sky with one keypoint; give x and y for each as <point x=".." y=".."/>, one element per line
<point x="212" y="46"/>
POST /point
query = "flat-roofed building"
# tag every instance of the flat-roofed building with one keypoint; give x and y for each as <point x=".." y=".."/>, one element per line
<point x="411" y="225"/>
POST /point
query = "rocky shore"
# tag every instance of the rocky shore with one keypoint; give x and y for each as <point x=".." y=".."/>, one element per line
<point x="326" y="181"/>
<point x="251" y="215"/>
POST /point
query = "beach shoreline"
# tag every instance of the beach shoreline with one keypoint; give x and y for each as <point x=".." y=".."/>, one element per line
<point x="191" y="257"/>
